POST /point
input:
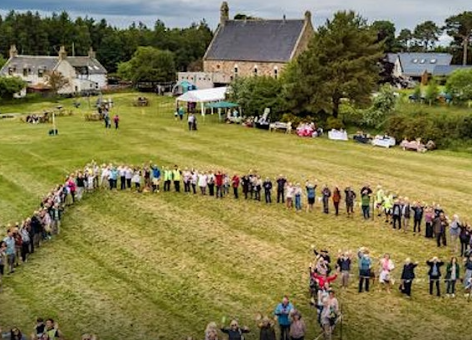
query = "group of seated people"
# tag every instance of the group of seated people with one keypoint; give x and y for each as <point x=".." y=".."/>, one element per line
<point x="309" y="130"/>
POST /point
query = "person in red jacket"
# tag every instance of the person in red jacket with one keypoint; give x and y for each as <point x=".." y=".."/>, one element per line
<point x="323" y="279"/>
<point x="219" y="184"/>
<point x="235" y="184"/>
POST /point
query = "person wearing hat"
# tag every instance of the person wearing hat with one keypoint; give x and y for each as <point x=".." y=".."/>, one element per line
<point x="408" y="275"/>
<point x="434" y="274"/>
<point x="297" y="327"/>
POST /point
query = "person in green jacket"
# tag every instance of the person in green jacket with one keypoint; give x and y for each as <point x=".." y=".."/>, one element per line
<point x="365" y="204"/>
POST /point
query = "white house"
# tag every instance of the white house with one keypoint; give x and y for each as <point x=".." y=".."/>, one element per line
<point x="85" y="73"/>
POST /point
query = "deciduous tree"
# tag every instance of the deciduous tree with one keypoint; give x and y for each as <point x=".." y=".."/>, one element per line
<point x="149" y="64"/>
<point x="56" y="81"/>
<point x="459" y="85"/>
<point x="9" y="86"/>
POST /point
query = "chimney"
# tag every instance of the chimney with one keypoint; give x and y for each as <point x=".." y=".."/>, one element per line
<point x="308" y="16"/>
<point x="13" y="51"/>
<point x="62" y="53"/>
<point x="91" y="53"/>
<point x="224" y="13"/>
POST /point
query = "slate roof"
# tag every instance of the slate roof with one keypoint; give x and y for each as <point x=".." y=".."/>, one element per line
<point x="47" y="63"/>
<point x="415" y="64"/>
<point x="34" y="63"/>
<point x="255" y="40"/>
<point x="93" y="65"/>
<point x="446" y="70"/>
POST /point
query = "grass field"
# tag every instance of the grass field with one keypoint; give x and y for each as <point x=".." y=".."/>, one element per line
<point x="142" y="266"/>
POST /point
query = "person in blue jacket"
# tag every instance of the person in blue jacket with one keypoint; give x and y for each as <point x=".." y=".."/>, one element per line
<point x="282" y="311"/>
<point x="156" y="176"/>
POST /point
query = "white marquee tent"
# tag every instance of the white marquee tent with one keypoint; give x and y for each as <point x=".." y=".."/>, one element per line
<point x="204" y="96"/>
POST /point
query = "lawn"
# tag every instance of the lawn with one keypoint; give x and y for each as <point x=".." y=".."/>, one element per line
<point x="143" y="266"/>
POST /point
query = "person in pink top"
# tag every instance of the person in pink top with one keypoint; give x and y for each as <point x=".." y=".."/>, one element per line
<point x="386" y="266"/>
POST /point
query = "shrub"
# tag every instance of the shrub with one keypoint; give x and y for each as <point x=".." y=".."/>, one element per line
<point x="444" y="129"/>
<point x="334" y="123"/>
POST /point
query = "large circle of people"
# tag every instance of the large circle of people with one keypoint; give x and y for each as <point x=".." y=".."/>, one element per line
<point x="23" y="238"/>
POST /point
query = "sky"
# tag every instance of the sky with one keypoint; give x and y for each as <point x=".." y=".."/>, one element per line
<point x="181" y="13"/>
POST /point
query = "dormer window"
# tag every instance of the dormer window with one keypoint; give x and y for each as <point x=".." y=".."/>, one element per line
<point x="433" y="61"/>
<point x="40" y="72"/>
<point x="415" y="61"/>
<point x="422" y="61"/>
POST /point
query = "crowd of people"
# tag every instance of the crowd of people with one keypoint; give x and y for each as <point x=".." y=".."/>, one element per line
<point x="23" y="238"/>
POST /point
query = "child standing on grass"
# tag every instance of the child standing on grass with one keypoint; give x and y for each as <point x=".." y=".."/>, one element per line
<point x="116" y="120"/>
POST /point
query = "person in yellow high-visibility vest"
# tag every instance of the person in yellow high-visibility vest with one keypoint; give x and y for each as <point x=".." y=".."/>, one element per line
<point x="177" y="177"/>
<point x="167" y="178"/>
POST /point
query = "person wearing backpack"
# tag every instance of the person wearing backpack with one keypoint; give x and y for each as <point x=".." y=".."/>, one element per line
<point x="365" y="265"/>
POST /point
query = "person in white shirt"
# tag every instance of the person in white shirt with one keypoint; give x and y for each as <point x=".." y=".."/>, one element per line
<point x="202" y="182"/>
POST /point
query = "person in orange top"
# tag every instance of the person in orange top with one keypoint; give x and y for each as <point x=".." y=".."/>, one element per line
<point x="336" y="199"/>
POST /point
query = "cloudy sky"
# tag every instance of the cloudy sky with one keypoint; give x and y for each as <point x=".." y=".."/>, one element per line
<point x="177" y="13"/>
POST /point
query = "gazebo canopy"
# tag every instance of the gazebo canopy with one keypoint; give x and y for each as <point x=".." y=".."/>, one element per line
<point x="204" y="96"/>
<point x="221" y="105"/>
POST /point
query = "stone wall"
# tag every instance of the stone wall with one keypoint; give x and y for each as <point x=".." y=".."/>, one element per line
<point x="226" y="69"/>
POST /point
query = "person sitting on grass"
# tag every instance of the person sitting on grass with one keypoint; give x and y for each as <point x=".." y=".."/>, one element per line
<point x="13" y="334"/>
<point x="234" y="331"/>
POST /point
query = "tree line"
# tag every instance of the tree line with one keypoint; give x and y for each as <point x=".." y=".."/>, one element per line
<point x="34" y="34"/>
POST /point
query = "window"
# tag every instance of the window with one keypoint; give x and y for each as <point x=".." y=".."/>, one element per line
<point x="422" y="61"/>
<point x="255" y="70"/>
<point x="433" y="61"/>
<point x="40" y="73"/>
<point x="25" y="72"/>
<point x="276" y="72"/>
<point x="218" y="66"/>
<point x="415" y="61"/>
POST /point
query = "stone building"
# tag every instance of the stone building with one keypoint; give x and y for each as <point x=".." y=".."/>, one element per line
<point x="252" y="47"/>
<point x="84" y="73"/>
